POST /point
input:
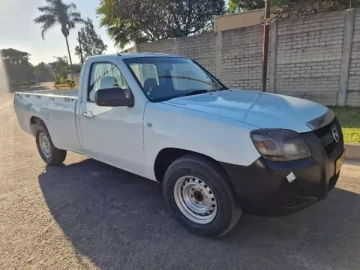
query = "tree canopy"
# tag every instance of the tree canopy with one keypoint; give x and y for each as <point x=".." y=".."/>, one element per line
<point x="91" y="42"/>
<point x="140" y="21"/>
<point x="293" y="8"/>
<point x="244" y="5"/>
<point x="43" y="72"/>
<point x="14" y="56"/>
<point x="19" y="69"/>
<point x="17" y="65"/>
<point x="60" y="67"/>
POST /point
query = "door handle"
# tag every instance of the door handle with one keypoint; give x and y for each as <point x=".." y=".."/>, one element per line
<point x="88" y="114"/>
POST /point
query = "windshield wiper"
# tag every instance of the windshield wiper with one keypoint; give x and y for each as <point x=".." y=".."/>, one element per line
<point x="195" y="92"/>
<point x="185" y="78"/>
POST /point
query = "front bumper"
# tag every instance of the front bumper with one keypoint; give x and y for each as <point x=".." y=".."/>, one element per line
<point x="262" y="188"/>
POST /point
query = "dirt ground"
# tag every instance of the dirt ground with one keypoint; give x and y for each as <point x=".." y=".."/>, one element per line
<point x="89" y="215"/>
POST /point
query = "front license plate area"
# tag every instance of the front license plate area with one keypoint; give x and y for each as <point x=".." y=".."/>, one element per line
<point x="339" y="163"/>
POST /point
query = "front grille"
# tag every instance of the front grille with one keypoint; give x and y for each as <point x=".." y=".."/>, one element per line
<point x="330" y="147"/>
<point x="327" y="138"/>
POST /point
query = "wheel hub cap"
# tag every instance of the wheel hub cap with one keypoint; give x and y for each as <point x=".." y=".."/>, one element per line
<point x="44" y="145"/>
<point x="195" y="199"/>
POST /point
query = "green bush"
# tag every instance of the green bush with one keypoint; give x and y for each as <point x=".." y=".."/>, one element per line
<point x="71" y="84"/>
<point x="63" y="83"/>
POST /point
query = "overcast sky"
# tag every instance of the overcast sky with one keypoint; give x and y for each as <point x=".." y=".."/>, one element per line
<point x="18" y="31"/>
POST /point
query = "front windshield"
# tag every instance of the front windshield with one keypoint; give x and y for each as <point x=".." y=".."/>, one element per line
<point x="163" y="78"/>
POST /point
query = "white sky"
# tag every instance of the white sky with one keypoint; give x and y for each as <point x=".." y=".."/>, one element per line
<point x="18" y="31"/>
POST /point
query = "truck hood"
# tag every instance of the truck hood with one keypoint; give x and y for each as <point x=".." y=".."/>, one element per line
<point x="262" y="110"/>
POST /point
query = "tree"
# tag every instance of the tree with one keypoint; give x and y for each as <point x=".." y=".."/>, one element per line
<point x="244" y="5"/>
<point x="140" y="21"/>
<point x="298" y="8"/>
<point x="60" y="67"/>
<point x="57" y="12"/>
<point x="15" y="56"/>
<point x="293" y="8"/>
<point x="17" y="65"/>
<point x="44" y="73"/>
<point x="90" y="42"/>
<point x="76" y="68"/>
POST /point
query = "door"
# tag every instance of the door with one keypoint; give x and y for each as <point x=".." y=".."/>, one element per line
<point x="113" y="135"/>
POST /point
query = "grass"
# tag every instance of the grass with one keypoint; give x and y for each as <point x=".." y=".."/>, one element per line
<point x="349" y="118"/>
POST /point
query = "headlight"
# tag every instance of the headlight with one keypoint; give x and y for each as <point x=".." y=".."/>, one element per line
<point x="280" y="145"/>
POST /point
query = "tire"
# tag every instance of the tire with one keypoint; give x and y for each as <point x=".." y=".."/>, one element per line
<point x="195" y="172"/>
<point x="54" y="156"/>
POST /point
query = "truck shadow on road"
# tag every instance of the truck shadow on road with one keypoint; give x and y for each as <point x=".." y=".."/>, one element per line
<point x="119" y="220"/>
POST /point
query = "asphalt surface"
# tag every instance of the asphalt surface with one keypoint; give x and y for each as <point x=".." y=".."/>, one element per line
<point x="89" y="215"/>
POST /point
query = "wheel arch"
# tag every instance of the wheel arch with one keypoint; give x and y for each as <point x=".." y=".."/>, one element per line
<point x="168" y="155"/>
<point x="35" y="120"/>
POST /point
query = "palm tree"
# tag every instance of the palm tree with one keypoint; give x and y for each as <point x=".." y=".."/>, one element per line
<point x="57" y="12"/>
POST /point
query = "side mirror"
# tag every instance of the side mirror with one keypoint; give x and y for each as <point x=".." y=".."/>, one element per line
<point x="113" y="97"/>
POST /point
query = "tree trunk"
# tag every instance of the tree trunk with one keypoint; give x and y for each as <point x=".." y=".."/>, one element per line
<point x="71" y="66"/>
<point x="81" y="53"/>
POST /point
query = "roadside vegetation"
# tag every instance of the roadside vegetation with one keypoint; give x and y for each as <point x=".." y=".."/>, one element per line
<point x="349" y="118"/>
<point x="65" y="84"/>
<point x="21" y="72"/>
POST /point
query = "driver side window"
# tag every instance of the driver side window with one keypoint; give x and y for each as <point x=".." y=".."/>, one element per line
<point x="106" y="75"/>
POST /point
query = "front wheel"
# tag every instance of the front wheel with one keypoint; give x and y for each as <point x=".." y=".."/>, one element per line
<point x="199" y="193"/>
<point x="48" y="152"/>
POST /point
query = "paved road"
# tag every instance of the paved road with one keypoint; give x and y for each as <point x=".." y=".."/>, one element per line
<point x="89" y="215"/>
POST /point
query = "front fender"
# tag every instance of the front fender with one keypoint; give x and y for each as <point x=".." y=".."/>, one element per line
<point x="222" y="139"/>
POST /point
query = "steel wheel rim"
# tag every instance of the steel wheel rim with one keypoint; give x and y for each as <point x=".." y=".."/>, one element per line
<point x="44" y="145"/>
<point x="195" y="199"/>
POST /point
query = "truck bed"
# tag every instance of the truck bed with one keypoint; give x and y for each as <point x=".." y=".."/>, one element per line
<point x="56" y="108"/>
<point x="62" y="93"/>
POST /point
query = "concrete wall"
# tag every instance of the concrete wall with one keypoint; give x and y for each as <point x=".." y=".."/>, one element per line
<point x="241" y="57"/>
<point x="309" y="54"/>
<point x="200" y="48"/>
<point x="316" y="57"/>
<point x="353" y="93"/>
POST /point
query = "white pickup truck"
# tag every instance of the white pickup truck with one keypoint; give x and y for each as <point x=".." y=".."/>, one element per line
<point x="216" y="151"/>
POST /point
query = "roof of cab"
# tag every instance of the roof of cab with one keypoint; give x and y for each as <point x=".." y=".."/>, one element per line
<point x="137" y="55"/>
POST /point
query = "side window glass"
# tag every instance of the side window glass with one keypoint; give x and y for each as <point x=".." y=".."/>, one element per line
<point x="105" y="75"/>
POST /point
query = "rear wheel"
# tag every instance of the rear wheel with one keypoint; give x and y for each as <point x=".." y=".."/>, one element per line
<point x="198" y="192"/>
<point x="48" y="152"/>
